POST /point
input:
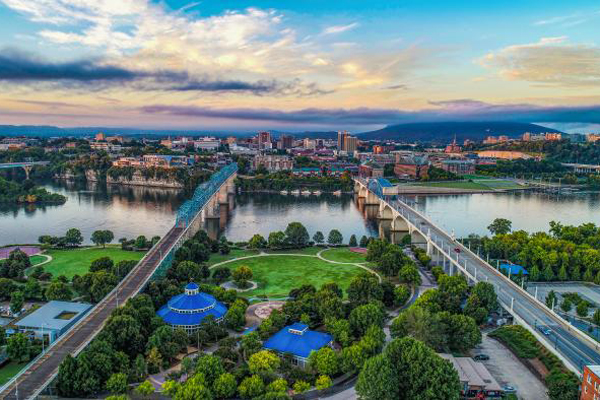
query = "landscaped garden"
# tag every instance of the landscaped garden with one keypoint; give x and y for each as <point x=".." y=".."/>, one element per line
<point x="70" y="262"/>
<point x="277" y="275"/>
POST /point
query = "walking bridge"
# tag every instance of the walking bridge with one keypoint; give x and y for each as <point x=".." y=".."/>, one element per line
<point x="572" y="346"/>
<point x="26" y="165"/>
<point x="38" y="374"/>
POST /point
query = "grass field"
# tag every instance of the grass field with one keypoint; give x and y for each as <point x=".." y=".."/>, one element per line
<point x="277" y="275"/>
<point x="344" y="254"/>
<point x="77" y="261"/>
<point x="9" y="370"/>
<point x="235" y="253"/>
<point x="35" y="260"/>
<point x="455" y="185"/>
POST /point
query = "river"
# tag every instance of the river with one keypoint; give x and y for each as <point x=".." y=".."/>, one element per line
<point x="130" y="211"/>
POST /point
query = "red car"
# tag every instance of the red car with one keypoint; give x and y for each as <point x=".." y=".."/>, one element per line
<point x="457" y="250"/>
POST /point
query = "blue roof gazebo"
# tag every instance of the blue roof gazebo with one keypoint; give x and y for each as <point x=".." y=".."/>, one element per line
<point x="188" y="310"/>
<point x="513" y="269"/>
<point x="297" y="340"/>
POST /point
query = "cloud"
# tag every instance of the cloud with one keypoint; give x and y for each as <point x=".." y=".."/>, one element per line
<point x="336" y="29"/>
<point x="442" y="111"/>
<point x="568" y="20"/>
<point x="19" y="67"/>
<point x="551" y="61"/>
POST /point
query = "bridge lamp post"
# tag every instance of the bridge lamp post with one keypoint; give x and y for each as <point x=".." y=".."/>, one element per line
<point x="43" y="339"/>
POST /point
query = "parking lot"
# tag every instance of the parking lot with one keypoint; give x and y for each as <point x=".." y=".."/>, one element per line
<point x="508" y="370"/>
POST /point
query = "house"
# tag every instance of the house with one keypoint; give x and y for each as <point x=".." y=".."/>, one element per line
<point x="52" y="319"/>
<point x="411" y="167"/>
<point x="188" y="310"/>
<point x="370" y="169"/>
<point x="476" y="381"/>
<point x="299" y="341"/>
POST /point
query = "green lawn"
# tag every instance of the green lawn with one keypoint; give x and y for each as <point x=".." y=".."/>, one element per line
<point x="77" y="261"/>
<point x="277" y="275"/>
<point x="344" y="254"/>
<point x="455" y="185"/>
<point x="9" y="370"/>
<point x="35" y="260"/>
<point x="216" y="258"/>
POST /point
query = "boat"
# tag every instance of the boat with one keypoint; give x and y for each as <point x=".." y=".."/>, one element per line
<point x="337" y="193"/>
<point x="306" y="192"/>
<point x="296" y="192"/>
<point x="284" y="192"/>
<point x="317" y="192"/>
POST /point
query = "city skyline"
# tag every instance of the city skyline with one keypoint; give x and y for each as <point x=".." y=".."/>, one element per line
<point x="297" y="65"/>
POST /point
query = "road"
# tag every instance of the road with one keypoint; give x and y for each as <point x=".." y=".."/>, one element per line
<point x="46" y="367"/>
<point x="563" y="338"/>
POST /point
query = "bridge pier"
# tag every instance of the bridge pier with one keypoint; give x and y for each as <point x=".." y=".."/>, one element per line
<point x="27" y="169"/>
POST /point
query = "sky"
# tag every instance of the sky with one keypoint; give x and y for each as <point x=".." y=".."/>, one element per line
<point x="237" y="65"/>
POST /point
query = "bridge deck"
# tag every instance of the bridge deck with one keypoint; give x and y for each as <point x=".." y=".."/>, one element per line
<point x="45" y="368"/>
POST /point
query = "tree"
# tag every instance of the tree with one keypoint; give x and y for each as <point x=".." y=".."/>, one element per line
<point x="224" y="246"/>
<point x="340" y="330"/>
<point x="353" y="242"/>
<point x="551" y="299"/>
<point x="364" y="288"/>
<point x="242" y="275"/>
<point x="500" y="226"/>
<point x="297" y="235"/>
<point x="324" y="361"/>
<point x="100" y="238"/>
<point x="301" y="386"/>
<point x="562" y="273"/>
<point x="378" y="380"/>
<point x="318" y="237"/>
<point x="73" y="237"/>
<point x="251" y="387"/>
<point x="276" y="240"/>
<point x="582" y="308"/>
<point x="117" y="383"/>
<point x="401" y="294"/>
<point x="250" y="344"/>
<point x="18" y="348"/>
<point x="145" y="389"/>
<point x="452" y="291"/>
<point x="363" y="241"/>
<point x="596" y="317"/>
<point x="58" y="291"/>
<point x="461" y="331"/>
<point x="141" y="242"/>
<point x="16" y="302"/>
<point x="418" y="323"/>
<point x="409" y="274"/>
<point x="392" y="260"/>
<point x="102" y="264"/>
<point x="221" y="274"/>
<point x="362" y="317"/>
<point x="566" y="305"/>
<point x="375" y="249"/>
<point x="277" y="386"/>
<point x="257" y="242"/>
<point x="263" y="363"/>
<point x="225" y="386"/>
<point x="335" y="238"/>
<point x="323" y="382"/>
<point x="534" y="274"/>
<point x="548" y="274"/>
<point x="211" y="367"/>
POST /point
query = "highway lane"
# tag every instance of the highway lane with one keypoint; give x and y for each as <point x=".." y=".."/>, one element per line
<point x="577" y="351"/>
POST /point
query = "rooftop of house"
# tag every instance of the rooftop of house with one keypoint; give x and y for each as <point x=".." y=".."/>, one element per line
<point x="298" y="340"/>
<point x="472" y="372"/>
<point x="54" y="315"/>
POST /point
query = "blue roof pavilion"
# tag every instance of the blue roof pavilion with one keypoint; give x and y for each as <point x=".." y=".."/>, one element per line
<point x="188" y="310"/>
<point x="513" y="268"/>
<point x="297" y="340"/>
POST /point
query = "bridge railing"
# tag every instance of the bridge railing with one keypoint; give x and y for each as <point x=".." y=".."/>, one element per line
<point x="586" y="339"/>
<point x="165" y="259"/>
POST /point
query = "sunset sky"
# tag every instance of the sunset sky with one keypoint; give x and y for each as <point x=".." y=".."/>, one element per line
<point x="298" y="65"/>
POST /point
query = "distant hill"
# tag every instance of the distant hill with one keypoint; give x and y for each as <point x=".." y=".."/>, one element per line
<point x="443" y="132"/>
<point x="54" y="131"/>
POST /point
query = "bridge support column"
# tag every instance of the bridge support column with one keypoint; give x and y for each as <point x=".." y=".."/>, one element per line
<point x="27" y="169"/>
<point x="372" y="199"/>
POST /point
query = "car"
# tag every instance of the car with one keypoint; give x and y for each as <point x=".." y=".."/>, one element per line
<point x="545" y="330"/>
<point x="481" y="357"/>
<point x="456" y="250"/>
<point x="509" y="389"/>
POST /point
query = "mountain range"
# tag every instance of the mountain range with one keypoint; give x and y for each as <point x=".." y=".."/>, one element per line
<point x="437" y="132"/>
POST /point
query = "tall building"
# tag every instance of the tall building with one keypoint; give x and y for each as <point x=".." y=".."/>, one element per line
<point x="264" y="140"/>
<point x="590" y="385"/>
<point x="100" y="136"/>
<point x="350" y="144"/>
<point x="342" y="135"/>
<point x="285" y="142"/>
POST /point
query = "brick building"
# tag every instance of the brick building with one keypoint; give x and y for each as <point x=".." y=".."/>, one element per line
<point x="411" y="167"/>
<point x="590" y="385"/>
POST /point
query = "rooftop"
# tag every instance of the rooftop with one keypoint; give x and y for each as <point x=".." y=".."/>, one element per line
<point x="472" y="372"/>
<point x="297" y="340"/>
<point x="513" y="268"/>
<point x="54" y="315"/>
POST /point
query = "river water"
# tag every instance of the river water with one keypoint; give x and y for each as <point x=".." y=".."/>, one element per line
<point x="130" y="211"/>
